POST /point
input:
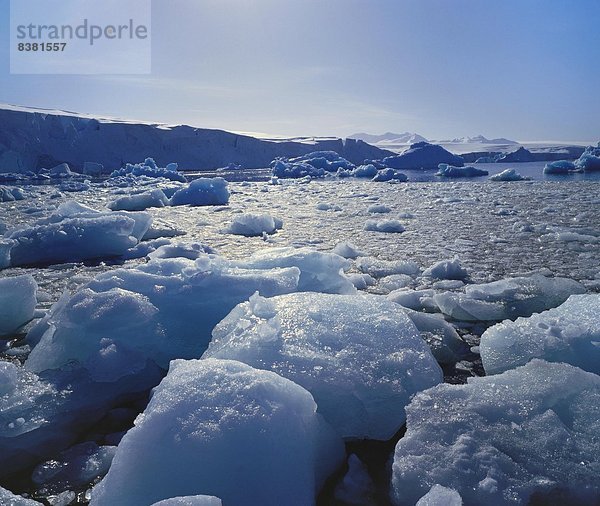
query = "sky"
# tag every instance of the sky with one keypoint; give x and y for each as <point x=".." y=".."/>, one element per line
<point x="523" y="69"/>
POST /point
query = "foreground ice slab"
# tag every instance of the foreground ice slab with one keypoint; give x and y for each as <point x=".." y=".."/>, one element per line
<point x="140" y="201"/>
<point x="360" y="356"/>
<point x="569" y="333"/>
<point x="509" y="175"/>
<point x="222" y="428"/>
<point x="74" y="233"/>
<point x="531" y="432"/>
<point x="17" y="302"/>
<point x="159" y="311"/>
<point x="507" y="298"/>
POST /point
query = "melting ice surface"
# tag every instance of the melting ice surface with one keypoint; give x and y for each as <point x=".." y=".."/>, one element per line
<point x="464" y="246"/>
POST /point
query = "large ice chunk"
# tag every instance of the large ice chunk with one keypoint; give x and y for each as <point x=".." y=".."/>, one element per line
<point x="295" y="170"/>
<point x="360" y="356"/>
<point x="445" y="170"/>
<point x="140" y="201"/>
<point x="222" y="428"/>
<point x="319" y="271"/>
<point x="447" y="269"/>
<point x="507" y="298"/>
<point x="388" y="226"/>
<point x="531" y="432"/>
<point x="17" y="302"/>
<point x="252" y="225"/>
<point x="74" y="233"/>
<point x="569" y="333"/>
<point x="162" y="310"/>
<point x="202" y="192"/>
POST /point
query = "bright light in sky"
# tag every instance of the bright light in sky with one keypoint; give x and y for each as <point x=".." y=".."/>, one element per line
<point x="519" y="69"/>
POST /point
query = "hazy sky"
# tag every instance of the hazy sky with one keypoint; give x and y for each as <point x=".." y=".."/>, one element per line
<point x="523" y="69"/>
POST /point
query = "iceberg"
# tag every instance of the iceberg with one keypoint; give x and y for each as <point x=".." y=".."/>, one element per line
<point x="589" y="161"/>
<point x="560" y="167"/>
<point x="360" y="357"/>
<point x="446" y="170"/>
<point x="527" y="434"/>
<point x="509" y="175"/>
<point x="329" y="161"/>
<point x="11" y="194"/>
<point x="569" y="333"/>
<point x="422" y="155"/>
<point x="520" y="155"/>
<point x="222" y="428"/>
<point x="202" y="192"/>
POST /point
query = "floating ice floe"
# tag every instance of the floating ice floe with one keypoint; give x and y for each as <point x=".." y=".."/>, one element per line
<point x="447" y="269"/>
<point x="446" y="170"/>
<point x="508" y="298"/>
<point x="528" y="433"/>
<point x="252" y="225"/>
<point x="148" y="168"/>
<point x="390" y="175"/>
<point x="346" y="249"/>
<point x="560" y="167"/>
<point x="140" y="201"/>
<point x="329" y="161"/>
<point x="202" y="192"/>
<point x="295" y="170"/>
<point x="387" y="226"/>
<point x="379" y="268"/>
<point x="222" y="428"/>
<point x="368" y="170"/>
<point x="17" y="302"/>
<point x="509" y="175"/>
<point x="569" y="333"/>
<point x="422" y="155"/>
<point x="379" y="208"/>
<point x="361" y="357"/>
<point x="417" y="300"/>
<point x="75" y="233"/>
<point x="319" y="271"/>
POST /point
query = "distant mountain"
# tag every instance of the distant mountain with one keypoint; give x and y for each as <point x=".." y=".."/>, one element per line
<point x="390" y="138"/>
<point x="478" y="139"/>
